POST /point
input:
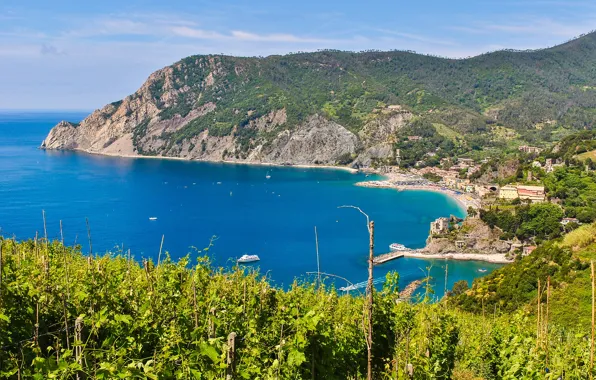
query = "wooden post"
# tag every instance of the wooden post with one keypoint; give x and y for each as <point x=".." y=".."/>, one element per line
<point x="211" y="326"/>
<point x="160" y="247"/>
<point x="46" y="256"/>
<point x="593" y="320"/>
<point x="231" y="359"/>
<point x="546" y="318"/>
<point x="370" y="286"/>
<point x="66" y="322"/>
<point x="318" y="263"/>
<point x="37" y="323"/>
<point x="446" y="271"/>
<point x="194" y="299"/>
<point x="538" y="317"/>
<point x="1" y="241"/>
<point x="78" y="342"/>
<point x="45" y="230"/>
<point x="89" y="236"/>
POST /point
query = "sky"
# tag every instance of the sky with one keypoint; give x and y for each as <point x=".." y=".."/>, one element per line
<point x="80" y="55"/>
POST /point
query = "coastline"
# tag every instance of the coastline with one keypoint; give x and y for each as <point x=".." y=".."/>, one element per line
<point x="497" y="258"/>
<point x="270" y="164"/>
<point x="389" y="180"/>
<point x="402" y="182"/>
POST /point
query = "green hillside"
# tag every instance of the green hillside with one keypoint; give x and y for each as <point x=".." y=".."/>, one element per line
<point x="532" y="92"/>
<point x="65" y="315"/>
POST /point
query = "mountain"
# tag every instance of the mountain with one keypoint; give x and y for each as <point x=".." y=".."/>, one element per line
<point x="335" y="107"/>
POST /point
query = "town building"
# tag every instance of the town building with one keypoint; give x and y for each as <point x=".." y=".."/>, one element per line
<point x="508" y="192"/>
<point x="465" y="161"/>
<point x="566" y="221"/>
<point x="439" y="226"/>
<point x="529" y="149"/>
<point x="532" y="193"/>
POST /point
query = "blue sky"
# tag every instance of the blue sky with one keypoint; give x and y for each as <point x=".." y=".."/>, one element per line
<point x="81" y="55"/>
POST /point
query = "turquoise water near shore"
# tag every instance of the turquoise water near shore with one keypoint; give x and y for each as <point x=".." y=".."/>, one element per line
<point x="196" y="201"/>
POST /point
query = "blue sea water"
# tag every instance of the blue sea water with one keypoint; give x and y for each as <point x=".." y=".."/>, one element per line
<point x="195" y="202"/>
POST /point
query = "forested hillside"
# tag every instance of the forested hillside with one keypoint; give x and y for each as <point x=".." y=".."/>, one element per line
<point x="66" y="315"/>
<point x="221" y="107"/>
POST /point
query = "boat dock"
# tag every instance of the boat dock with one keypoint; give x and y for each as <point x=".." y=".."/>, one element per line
<point x="387" y="257"/>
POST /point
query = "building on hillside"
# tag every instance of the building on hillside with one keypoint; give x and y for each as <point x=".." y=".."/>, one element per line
<point x="533" y="193"/>
<point x="483" y="191"/>
<point x="566" y="221"/>
<point x="536" y="164"/>
<point x="439" y="226"/>
<point x="465" y="161"/>
<point x="527" y="250"/>
<point x="414" y="138"/>
<point x="508" y="192"/>
<point x="529" y="149"/>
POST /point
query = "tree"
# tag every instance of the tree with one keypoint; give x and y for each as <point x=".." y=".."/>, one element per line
<point x="472" y="211"/>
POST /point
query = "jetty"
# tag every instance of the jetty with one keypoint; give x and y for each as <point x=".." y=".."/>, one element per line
<point x="388" y="257"/>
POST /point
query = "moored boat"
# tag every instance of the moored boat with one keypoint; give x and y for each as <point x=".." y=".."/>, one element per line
<point x="398" y="247"/>
<point x="248" y="259"/>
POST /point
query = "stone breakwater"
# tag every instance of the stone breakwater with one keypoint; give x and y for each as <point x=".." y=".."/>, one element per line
<point x="410" y="289"/>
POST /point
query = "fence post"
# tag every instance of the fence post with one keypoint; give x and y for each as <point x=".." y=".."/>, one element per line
<point x="231" y="360"/>
<point x="78" y="342"/>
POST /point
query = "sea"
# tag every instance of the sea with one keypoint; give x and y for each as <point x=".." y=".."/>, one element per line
<point x="218" y="210"/>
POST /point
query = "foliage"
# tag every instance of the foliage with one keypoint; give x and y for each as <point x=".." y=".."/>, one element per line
<point x="516" y="284"/>
<point x="172" y="320"/>
<point x="468" y="100"/>
<point x="541" y="220"/>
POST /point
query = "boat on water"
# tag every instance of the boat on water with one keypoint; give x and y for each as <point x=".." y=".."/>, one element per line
<point x="153" y="218"/>
<point x="268" y="175"/>
<point x="482" y="270"/>
<point x="248" y="259"/>
<point x="398" y="247"/>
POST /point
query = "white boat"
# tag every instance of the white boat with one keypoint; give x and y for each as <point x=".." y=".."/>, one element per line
<point x="268" y="175"/>
<point x="482" y="270"/>
<point x="153" y="218"/>
<point x="398" y="247"/>
<point x="248" y="259"/>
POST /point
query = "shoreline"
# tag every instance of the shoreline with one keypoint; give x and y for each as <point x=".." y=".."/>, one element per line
<point x="497" y="258"/>
<point x="385" y="182"/>
<point x="460" y="199"/>
<point x="270" y="164"/>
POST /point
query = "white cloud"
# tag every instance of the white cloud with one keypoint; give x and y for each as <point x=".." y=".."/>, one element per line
<point x="531" y="26"/>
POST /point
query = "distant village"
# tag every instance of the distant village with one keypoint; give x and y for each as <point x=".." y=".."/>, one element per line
<point x="449" y="179"/>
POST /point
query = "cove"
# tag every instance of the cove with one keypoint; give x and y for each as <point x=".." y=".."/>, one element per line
<point x="233" y="206"/>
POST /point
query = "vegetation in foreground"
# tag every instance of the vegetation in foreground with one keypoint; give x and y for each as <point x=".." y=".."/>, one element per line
<point x="67" y="315"/>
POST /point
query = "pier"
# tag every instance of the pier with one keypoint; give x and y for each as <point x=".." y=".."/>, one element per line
<point x="388" y="257"/>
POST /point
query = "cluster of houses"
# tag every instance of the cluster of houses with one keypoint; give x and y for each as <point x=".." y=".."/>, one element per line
<point x="529" y="149"/>
<point x="532" y="193"/>
<point x="549" y="164"/>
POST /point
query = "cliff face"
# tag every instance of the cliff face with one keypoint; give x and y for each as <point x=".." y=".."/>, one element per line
<point x="161" y="118"/>
<point x="340" y="107"/>
<point x="474" y="237"/>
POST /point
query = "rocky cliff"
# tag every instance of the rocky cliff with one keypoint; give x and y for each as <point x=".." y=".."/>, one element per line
<point x="341" y="107"/>
<point x="474" y="236"/>
<point x="174" y="116"/>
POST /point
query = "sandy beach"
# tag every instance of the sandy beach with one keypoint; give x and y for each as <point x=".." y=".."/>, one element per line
<point x="404" y="182"/>
<point x="492" y="258"/>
